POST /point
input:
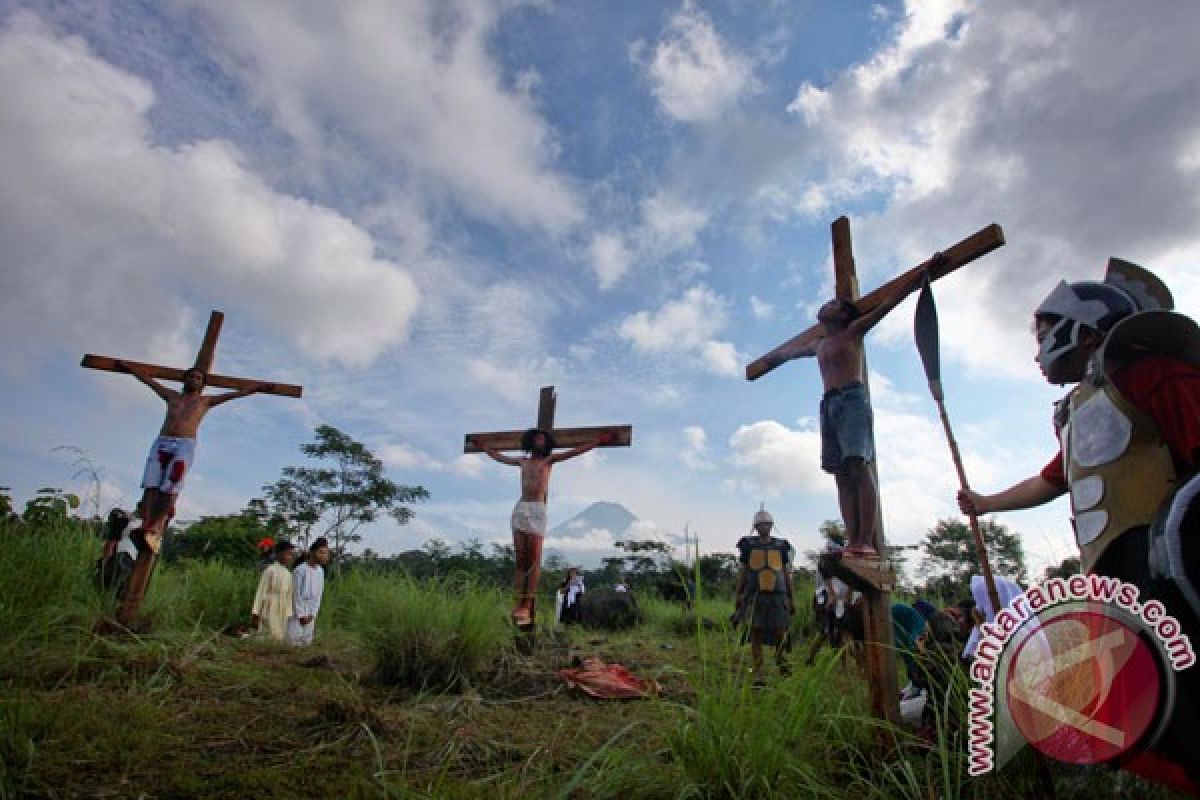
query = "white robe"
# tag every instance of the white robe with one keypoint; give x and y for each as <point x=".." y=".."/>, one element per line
<point x="273" y="601"/>
<point x="308" y="585"/>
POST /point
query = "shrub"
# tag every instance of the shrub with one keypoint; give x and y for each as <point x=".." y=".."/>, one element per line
<point x="424" y="635"/>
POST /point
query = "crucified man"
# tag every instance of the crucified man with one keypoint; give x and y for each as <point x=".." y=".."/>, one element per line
<point x="529" y="515"/>
<point x="847" y="435"/>
<point x="170" y="457"/>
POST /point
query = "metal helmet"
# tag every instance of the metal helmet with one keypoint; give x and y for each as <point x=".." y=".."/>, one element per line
<point x="762" y="515"/>
<point x="1075" y="306"/>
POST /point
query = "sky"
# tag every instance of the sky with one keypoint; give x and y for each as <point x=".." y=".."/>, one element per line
<point x="423" y="211"/>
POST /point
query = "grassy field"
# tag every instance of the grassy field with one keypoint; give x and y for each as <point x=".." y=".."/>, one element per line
<point x="415" y="691"/>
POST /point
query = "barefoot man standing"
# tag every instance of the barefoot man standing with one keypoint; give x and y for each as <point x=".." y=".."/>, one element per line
<point x="529" y="515"/>
<point x="170" y="457"/>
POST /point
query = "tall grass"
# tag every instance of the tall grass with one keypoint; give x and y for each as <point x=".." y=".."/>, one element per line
<point x="427" y="636"/>
<point x="778" y="742"/>
<point x="200" y="594"/>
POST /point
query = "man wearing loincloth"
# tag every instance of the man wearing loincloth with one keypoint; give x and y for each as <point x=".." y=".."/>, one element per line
<point x="529" y="515"/>
<point x="170" y="458"/>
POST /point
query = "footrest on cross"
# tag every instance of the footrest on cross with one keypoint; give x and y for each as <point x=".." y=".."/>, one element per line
<point x="863" y="574"/>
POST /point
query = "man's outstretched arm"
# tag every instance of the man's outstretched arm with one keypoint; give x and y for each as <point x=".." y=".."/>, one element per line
<point x="217" y="399"/>
<point x="861" y="325"/>
<point x="496" y="455"/>
<point x="604" y="438"/>
<point x="156" y="387"/>
<point x="1034" y="491"/>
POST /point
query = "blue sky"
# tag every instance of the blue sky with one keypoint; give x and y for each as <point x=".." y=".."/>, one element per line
<point x="424" y="211"/>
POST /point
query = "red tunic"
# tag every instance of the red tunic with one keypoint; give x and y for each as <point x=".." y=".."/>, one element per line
<point x="1168" y="391"/>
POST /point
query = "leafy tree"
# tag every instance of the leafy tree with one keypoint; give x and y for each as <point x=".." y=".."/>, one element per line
<point x="232" y="538"/>
<point x="340" y="497"/>
<point x="6" y="504"/>
<point x="1068" y="567"/>
<point x="951" y="558"/>
<point x="49" y="506"/>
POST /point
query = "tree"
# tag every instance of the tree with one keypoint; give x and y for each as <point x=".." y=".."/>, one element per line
<point x="951" y="558"/>
<point x="232" y="538"/>
<point x="340" y="498"/>
<point x="49" y="506"/>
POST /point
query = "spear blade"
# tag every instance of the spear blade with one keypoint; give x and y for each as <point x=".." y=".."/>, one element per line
<point x="925" y="331"/>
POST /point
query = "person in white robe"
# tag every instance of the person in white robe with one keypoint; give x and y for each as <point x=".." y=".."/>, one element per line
<point x="273" y="601"/>
<point x="308" y="585"/>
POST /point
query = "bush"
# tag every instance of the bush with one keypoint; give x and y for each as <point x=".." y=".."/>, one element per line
<point x="424" y="635"/>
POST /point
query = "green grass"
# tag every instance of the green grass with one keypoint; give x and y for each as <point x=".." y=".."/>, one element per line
<point x="415" y="690"/>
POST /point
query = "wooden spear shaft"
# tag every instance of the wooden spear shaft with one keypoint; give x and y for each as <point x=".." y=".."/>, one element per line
<point x="980" y="546"/>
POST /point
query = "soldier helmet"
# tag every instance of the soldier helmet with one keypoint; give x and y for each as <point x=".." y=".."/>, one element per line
<point x="1075" y="306"/>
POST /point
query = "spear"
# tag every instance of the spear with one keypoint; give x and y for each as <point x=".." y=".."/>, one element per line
<point x="925" y="330"/>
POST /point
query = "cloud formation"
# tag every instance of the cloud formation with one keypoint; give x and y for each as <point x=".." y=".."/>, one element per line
<point x="104" y="234"/>
<point x="686" y="326"/>
<point x="693" y="73"/>
<point x="416" y="85"/>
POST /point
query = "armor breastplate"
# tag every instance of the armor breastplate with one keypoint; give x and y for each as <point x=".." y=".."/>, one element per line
<point x="1119" y="469"/>
<point x="765" y="562"/>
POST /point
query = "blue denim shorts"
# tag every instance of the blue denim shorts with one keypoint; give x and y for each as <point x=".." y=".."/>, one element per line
<point x="846" y="427"/>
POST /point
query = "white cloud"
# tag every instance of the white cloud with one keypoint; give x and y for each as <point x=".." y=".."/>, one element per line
<point x="469" y="465"/>
<point x="416" y="84"/>
<point x="776" y="458"/>
<point x="721" y="358"/>
<point x="694" y="453"/>
<point x="693" y="73"/>
<point x="669" y="223"/>
<point x="593" y="539"/>
<point x="685" y="326"/>
<point x="149" y="224"/>
<point x="1029" y="102"/>
<point x="610" y="258"/>
<point x="399" y="455"/>
<point x="760" y="308"/>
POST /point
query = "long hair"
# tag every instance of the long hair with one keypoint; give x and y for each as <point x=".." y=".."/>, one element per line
<point x="527" y="442"/>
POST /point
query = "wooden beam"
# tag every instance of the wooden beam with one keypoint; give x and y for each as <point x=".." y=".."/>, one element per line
<point x="108" y="364"/>
<point x="546" y="402"/>
<point x="845" y="278"/>
<point x="208" y="348"/>
<point x="563" y="437"/>
<point x="974" y="246"/>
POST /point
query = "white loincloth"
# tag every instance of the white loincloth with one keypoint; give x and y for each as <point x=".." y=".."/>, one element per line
<point x="529" y="517"/>
<point x="169" y="460"/>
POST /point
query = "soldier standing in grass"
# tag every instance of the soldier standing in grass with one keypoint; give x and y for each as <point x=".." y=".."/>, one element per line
<point x="764" y="595"/>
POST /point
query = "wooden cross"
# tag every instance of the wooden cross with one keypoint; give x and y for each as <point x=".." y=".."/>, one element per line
<point x="622" y="435"/>
<point x="875" y="582"/>
<point x="204" y="362"/>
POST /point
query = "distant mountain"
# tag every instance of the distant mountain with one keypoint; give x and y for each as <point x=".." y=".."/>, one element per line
<point x="612" y="517"/>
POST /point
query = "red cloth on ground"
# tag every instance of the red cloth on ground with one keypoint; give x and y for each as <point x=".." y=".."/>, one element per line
<point x="1168" y="391"/>
<point x="607" y="681"/>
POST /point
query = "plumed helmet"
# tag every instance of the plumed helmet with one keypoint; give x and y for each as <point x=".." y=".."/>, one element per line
<point x="1075" y="306"/>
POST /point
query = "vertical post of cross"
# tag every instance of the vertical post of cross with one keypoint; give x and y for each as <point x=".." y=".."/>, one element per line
<point x="546" y="401"/>
<point x="880" y="641"/>
<point x="208" y="348"/>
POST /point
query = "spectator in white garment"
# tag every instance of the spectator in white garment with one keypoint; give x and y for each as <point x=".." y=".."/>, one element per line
<point x="308" y="584"/>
